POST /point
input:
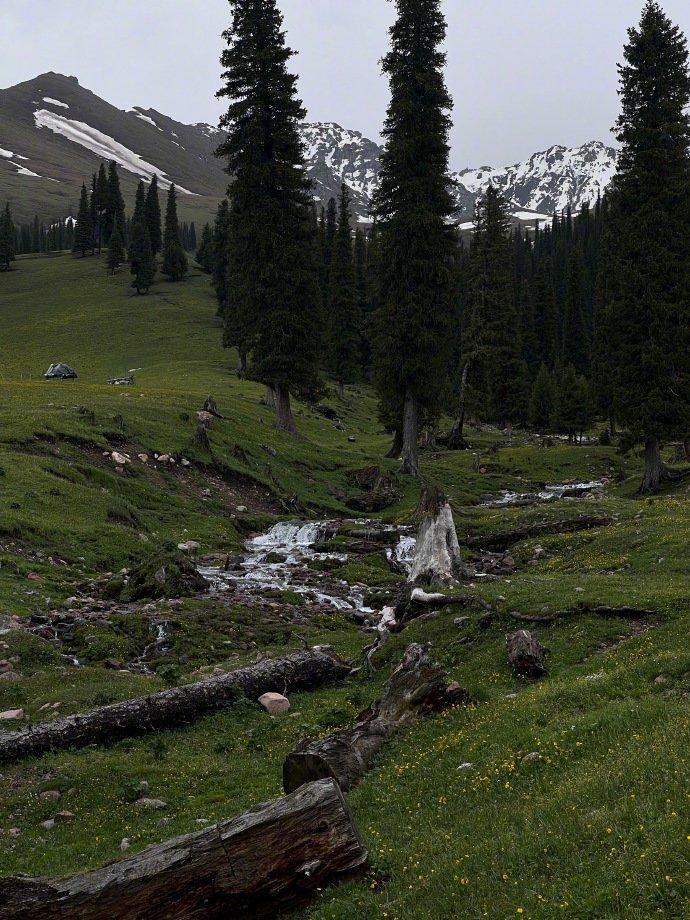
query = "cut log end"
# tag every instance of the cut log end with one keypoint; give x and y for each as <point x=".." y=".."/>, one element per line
<point x="526" y="654"/>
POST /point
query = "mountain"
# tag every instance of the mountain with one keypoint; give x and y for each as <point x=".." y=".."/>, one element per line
<point x="54" y="133"/>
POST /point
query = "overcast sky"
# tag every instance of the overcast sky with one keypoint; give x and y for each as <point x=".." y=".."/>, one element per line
<point x="524" y="74"/>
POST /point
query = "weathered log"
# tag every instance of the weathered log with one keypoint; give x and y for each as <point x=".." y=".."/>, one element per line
<point x="301" y="670"/>
<point x="267" y="861"/>
<point x="625" y="613"/>
<point x="526" y="654"/>
<point x="416" y="689"/>
<point x="437" y="555"/>
<point x="413" y="603"/>
<point x="499" y="542"/>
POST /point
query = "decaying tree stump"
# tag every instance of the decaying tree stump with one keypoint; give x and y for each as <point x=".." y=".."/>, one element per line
<point x="526" y="654"/>
<point x="303" y="670"/>
<point x="269" y="860"/>
<point x="416" y="689"/>
<point x="437" y="555"/>
<point x="499" y="542"/>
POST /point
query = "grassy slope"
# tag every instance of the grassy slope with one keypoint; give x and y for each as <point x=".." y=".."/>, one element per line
<point x="597" y="828"/>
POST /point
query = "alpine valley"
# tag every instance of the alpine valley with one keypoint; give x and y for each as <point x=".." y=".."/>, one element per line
<point x="54" y="132"/>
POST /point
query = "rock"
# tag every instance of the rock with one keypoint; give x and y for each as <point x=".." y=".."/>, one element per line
<point x="190" y="546"/>
<point x="143" y="457"/>
<point x="143" y="788"/>
<point x="461" y="621"/>
<point x="660" y="680"/>
<point x="14" y="831"/>
<point x="60" y="371"/>
<point x="465" y="766"/>
<point x="164" y="458"/>
<point x="185" y="462"/>
<point x="50" y="795"/>
<point x="274" y="703"/>
<point x="63" y="816"/>
<point x="11" y="715"/>
<point x="48" y="825"/>
<point x="119" y="459"/>
<point x="10" y="677"/>
<point x="151" y="804"/>
<point x="533" y="757"/>
<point x="125" y="844"/>
<point x="540" y="552"/>
<point x="241" y="509"/>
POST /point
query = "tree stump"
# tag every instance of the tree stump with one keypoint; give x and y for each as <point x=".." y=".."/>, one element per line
<point x="526" y="654"/>
<point x="272" y="859"/>
<point x="437" y="555"/>
<point x="416" y="689"/>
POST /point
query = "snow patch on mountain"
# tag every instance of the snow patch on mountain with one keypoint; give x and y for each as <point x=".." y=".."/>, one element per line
<point x="50" y="101"/>
<point x="335" y="153"/>
<point x="78" y="132"/>
<point x="147" y="118"/>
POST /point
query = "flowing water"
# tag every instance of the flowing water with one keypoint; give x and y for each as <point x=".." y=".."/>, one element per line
<point x="506" y="499"/>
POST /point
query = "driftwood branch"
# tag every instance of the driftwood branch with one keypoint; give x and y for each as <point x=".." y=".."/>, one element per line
<point x="416" y="689"/>
<point x="499" y="542"/>
<point x="269" y="860"/>
<point x="303" y="670"/>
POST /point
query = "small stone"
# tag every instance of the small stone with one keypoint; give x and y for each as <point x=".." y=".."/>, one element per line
<point x="465" y="766"/>
<point x="660" y="680"/>
<point x="151" y="804"/>
<point x="274" y="703"/>
<point x="143" y="787"/>
<point x="10" y="677"/>
<point x="50" y="795"/>
<point x="164" y="458"/>
<point x="533" y="757"/>
<point x="119" y="459"/>
<point x="241" y="509"/>
<point x="185" y="462"/>
<point x="461" y="621"/>
<point x="143" y="457"/>
<point x="125" y="844"/>
<point x="580" y="590"/>
<point x="62" y="816"/>
<point x="11" y="715"/>
<point x="539" y="552"/>
<point x="48" y="825"/>
<point x="190" y="546"/>
<point x="14" y="831"/>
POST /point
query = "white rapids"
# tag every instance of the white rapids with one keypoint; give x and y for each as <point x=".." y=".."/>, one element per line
<point x="548" y="494"/>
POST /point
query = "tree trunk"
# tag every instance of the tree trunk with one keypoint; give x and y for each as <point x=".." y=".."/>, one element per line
<point x="270" y="860"/>
<point x="456" y="438"/>
<point x="416" y="689"/>
<point x="284" y="418"/>
<point x="437" y="554"/>
<point x="341" y="390"/>
<point x="653" y="467"/>
<point x="410" y="436"/>
<point x="396" y="446"/>
<point x="500" y="542"/>
<point x="303" y="670"/>
<point x="270" y="397"/>
<point x="686" y="448"/>
<point x="526" y="654"/>
<point x="242" y="363"/>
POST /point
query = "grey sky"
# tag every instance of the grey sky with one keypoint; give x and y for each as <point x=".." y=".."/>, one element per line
<point x="524" y="74"/>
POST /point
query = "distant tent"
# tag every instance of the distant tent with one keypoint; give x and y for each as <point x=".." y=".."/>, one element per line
<point x="60" y="372"/>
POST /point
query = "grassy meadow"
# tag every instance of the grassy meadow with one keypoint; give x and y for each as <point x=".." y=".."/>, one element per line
<point x="459" y="821"/>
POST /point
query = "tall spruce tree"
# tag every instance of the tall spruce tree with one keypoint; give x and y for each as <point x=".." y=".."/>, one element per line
<point x="233" y="337"/>
<point x="273" y="282"/>
<point x="153" y="216"/>
<point x="7" y="239"/>
<point x="83" y="235"/>
<point x="644" y="318"/>
<point x="114" y="211"/>
<point x="344" y="322"/>
<point x="116" y="251"/>
<point x="174" y="258"/>
<point x="101" y="204"/>
<point x="542" y="401"/>
<point x="413" y="204"/>
<point x="142" y="261"/>
<point x="204" y="254"/>
<point x="576" y="347"/>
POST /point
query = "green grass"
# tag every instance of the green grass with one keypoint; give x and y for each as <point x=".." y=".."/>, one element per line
<point x="597" y="828"/>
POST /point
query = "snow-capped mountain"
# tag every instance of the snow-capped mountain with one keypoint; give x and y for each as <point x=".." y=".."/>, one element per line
<point x="54" y="133"/>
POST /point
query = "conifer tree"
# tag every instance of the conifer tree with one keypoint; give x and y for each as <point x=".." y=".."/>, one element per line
<point x="234" y="333"/>
<point x="413" y="203"/>
<point x="273" y="283"/>
<point x="343" y="320"/>
<point x="192" y="238"/>
<point x="139" y="213"/>
<point x="143" y="264"/>
<point x="7" y="239"/>
<point x="101" y="204"/>
<point x="114" y="212"/>
<point x="93" y="206"/>
<point x="363" y="298"/>
<point x="542" y="401"/>
<point x="576" y="349"/>
<point x="204" y="254"/>
<point x="574" y="408"/>
<point x="644" y="320"/>
<point x="116" y="251"/>
<point x="153" y="216"/>
<point x="83" y="235"/>
<point x="174" y="258"/>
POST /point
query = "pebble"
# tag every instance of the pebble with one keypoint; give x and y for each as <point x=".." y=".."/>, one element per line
<point x="49" y="824"/>
<point x="11" y="715"/>
<point x="274" y="703"/>
<point x="533" y="757"/>
<point x="50" y="795"/>
<point x="151" y="804"/>
<point x="125" y="844"/>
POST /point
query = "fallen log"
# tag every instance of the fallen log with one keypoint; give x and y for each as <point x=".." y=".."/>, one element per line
<point x="303" y="670"/>
<point x="267" y="861"/>
<point x="625" y="613"/>
<point x="413" y="603"/>
<point x="526" y="654"/>
<point x="416" y="689"/>
<point x="499" y="542"/>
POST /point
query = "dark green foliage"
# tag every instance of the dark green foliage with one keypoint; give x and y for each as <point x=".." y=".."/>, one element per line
<point x="576" y="349"/>
<point x="83" y="235"/>
<point x="644" y="321"/>
<point x="166" y="573"/>
<point x="139" y="215"/>
<point x="272" y="272"/>
<point x="143" y="263"/>
<point x="7" y="239"/>
<point x="174" y="258"/>
<point x="114" y="211"/>
<point x="204" y="255"/>
<point x="497" y="374"/>
<point x="100" y="205"/>
<point x="542" y="401"/>
<point x="574" y="411"/>
<point x="413" y="323"/>
<point x="153" y="216"/>
<point x="116" y="251"/>
<point x="364" y="306"/>
<point x="219" y="272"/>
<point x="344" y="319"/>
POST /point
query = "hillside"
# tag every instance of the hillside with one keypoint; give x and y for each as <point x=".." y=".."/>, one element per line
<point x="54" y="132"/>
<point x="561" y="797"/>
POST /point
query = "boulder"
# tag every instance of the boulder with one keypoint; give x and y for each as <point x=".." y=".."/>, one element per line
<point x="274" y="703"/>
<point x="60" y="372"/>
<point x="12" y="715"/>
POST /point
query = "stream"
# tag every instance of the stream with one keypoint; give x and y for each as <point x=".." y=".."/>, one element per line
<point x="508" y="499"/>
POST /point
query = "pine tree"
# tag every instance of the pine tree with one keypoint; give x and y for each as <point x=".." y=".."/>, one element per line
<point x="576" y="348"/>
<point x="344" y="323"/>
<point x="574" y="409"/>
<point x="7" y="239"/>
<point x="543" y="400"/>
<point x="644" y="319"/>
<point x="139" y="213"/>
<point x="362" y="293"/>
<point x="83" y="236"/>
<point x="153" y="216"/>
<point x="413" y="203"/>
<point x="204" y="254"/>
<point x="233" y="335"/>
<point x="114" y="212"/>
<point x="101" y="204"/>
<point x="116" y="251"/>
<point x="143" y="263"/>
<point x="192" y="238"/>
<point x="93" y="207"/>
<point x="174" y="258"/>
<point x="273" y="284"/>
